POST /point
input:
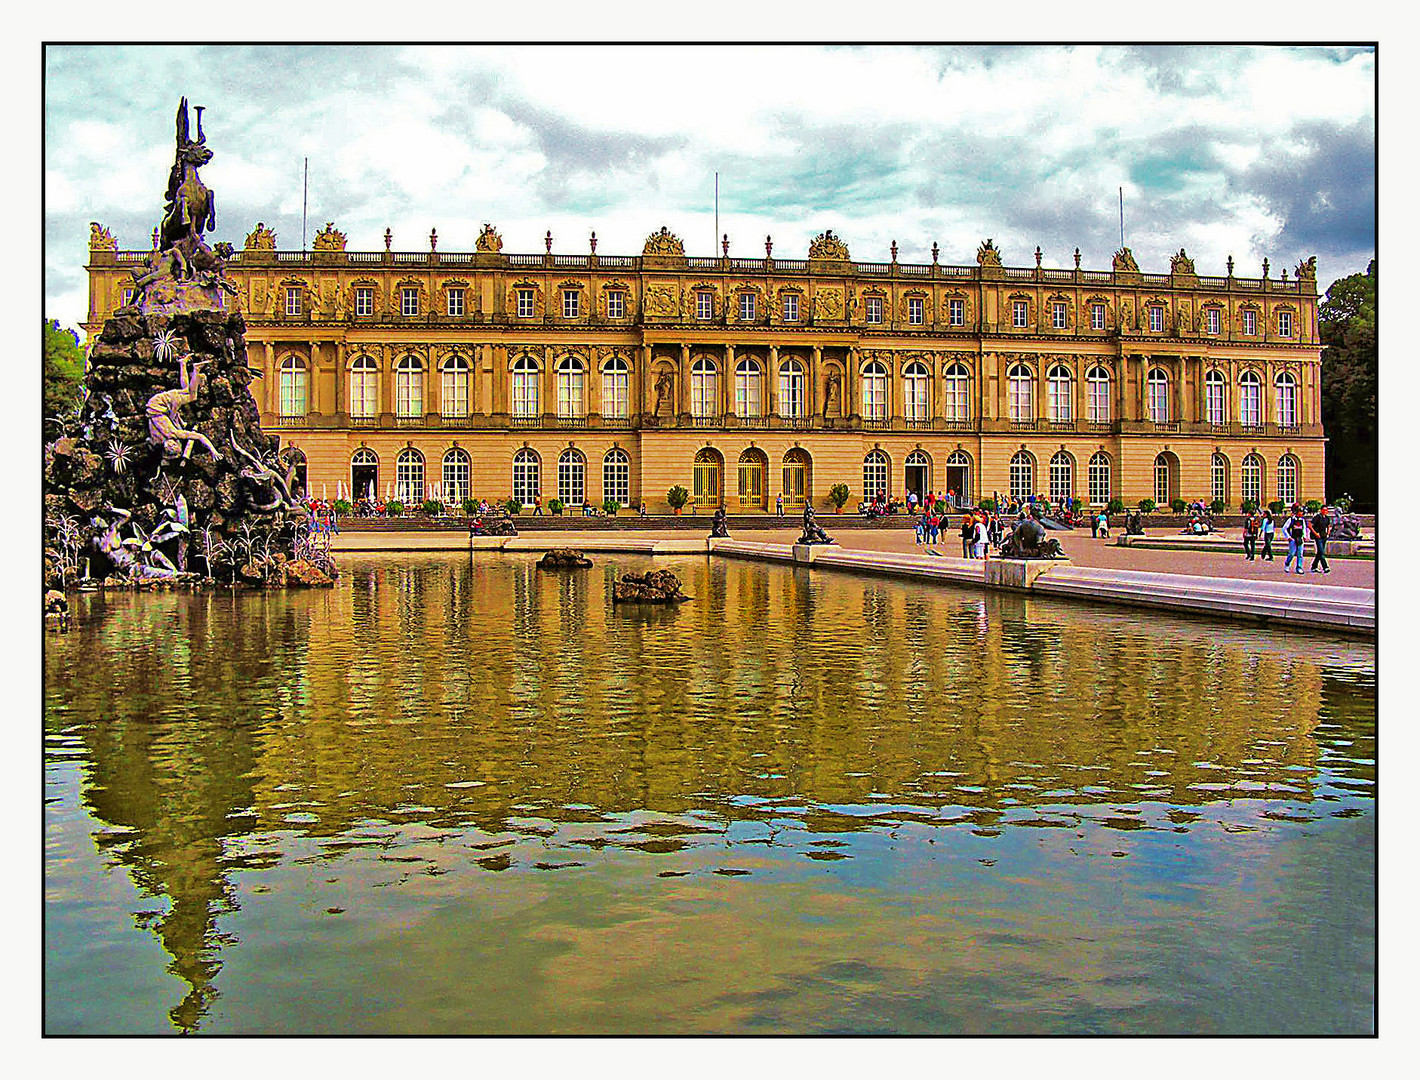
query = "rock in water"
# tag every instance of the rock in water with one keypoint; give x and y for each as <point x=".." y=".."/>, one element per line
<point x="562" y="558"/>
<point x="301" y="572"/>
<point x="657" y="587"/>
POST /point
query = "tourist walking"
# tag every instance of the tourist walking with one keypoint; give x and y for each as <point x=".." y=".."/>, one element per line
<point x="1319" y="527"/>
<point x="1269" y="529"/>
<point x="537" y="505"/>
<point x="934" y="525"/>
<point x="922" y="527"/>
<point x="983" y="537"/>
<point x="779" y="504"/>
<point x="1296" y="531"/>
<point x="968" y="535"/>
<point x="1104" y="524"/>
<point x="912" y="502"/>
<point x="1250" y="537"/>
<point x="1094" y="526"/>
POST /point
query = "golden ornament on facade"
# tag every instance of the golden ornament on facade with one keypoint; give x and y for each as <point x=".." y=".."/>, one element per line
<point x="261" y="238"/>
<point x="1182" y="265"/>
<point x="660" y="300"/>
<point x="100" y="239"/>
<point x="827" y="246"/>
<point x="988" y="254"/>
<point x="489" y="240"/>
<point x="1124" y="261"/>
<point x="329" y="239"/>
<point x="828" y="304"/>
<point x="663" y="242"/>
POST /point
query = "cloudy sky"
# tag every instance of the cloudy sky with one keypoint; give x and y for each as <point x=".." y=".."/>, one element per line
<point x="1249" y="151"/>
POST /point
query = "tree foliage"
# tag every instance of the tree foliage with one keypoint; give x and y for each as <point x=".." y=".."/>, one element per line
<point x="1348" y="386"/>
<point x="63" y="375"/>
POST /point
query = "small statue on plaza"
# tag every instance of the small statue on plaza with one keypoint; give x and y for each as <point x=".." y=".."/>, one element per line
<point x="718" y="527"/>
<point x="165" y="421"/>
<point x="813" y="531"/>
<point x="1345" y="526"/>
<point x="1028" y="541"/>
<point x="1134" y="524"/>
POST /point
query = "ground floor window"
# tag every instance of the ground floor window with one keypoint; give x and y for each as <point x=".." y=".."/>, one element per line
<point x="1062" y="477"/>
<point x="456" y="474"/>
<point x="527" y="476"/>
<point x="875" y="475"/>
<point x="1161" y="480"/>
<point x="1220" y="477"/>
<point x="409" y="478"/>
<point x="1099" y="478"/>
<point x="1022" y="476"/>
<point x="572" y="478"/>
<point x="616" y="477"/>
<point x="1287" y="479"/>
<point x="1252" y="478"/>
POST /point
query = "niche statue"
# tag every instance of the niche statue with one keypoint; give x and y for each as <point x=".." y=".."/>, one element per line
<point x="1028" y="541"/>
<point x="813" y="531"/>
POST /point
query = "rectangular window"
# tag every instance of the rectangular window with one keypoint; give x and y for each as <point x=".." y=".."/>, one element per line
<point x="1156" y="320"/>
<point x="747" y="307"/>
<point x="914" y="310"/>
<point x="873" y="309"/>
<point x="956" y="312"/>
<point x="704" y="305"/>
<point x="456" y="302"/>
<point x="571" y="303"/>
<point x="1284" y="323"/>
<point x="616" y="304"/>
<point x="1214" y="320"/>
<point x="127" y="297"/>
<point x="293" y="301"/>
<point x="1249" y="321"/>
<point x="1057" y="315"/>
<point x="409" y="301"/>
<point x="364" y="301"/>
<point x="1096" y="316"/>
<point x="1019" y="313"/>
<point x="791" y="307"/>
<point x="525" y="303"/>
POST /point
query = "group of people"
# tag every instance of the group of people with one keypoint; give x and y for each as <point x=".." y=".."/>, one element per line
<point x="980" y="531"/>
<point x="1297" y="528"/>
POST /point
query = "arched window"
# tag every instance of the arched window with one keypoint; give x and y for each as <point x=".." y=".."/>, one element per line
<point x="705" y="474"/>
<point x="875" y="475"/>
<point x="1062" y="477"/>
<point x="798" y="477"/>
<point x="1058" y="393"/>
<point x="791" y="389"/>
<point x="1022" y="475"/>
<point x="364" y="379"/>
<point x="571" y="381"/>
<point x="456" y="476"/>
<point x="1163" y="480"/>
<point x="616" y="380"/>
<point x="293" y="386"/>
<point x="572" y="477"/>
<point x="915" y="391"/>
<point x="1286" y="402"/>
<point x="954" y="389"/>
<point x="1252" y="478"/>
<point x="527" y="476"/>
<point x="1250" y="399"/>
<point x="748" y="389"/>
<point x="1158" y="395"/>
<point x="704" y="388"/>
<point x="1287" y="479"/>
<point x="917" y="474"/>
<point x="1099" y="478"/>
<point x="1220" y="477"/>
<point x="753" y="479"/>
<point x="364" y="474"/>
<point x="1215" y="407"/>
<point x="616" y="476"/>
<point x="1098" y="395"/>
<point x="1021" y="386"/>
<point x="525" y="379"/>
<point x="958" y="476"/>
<point x="875" y="392"/>
<point x="409" y="477"/>
<point x="454" y="395"/>
<point x="409" y="387"/>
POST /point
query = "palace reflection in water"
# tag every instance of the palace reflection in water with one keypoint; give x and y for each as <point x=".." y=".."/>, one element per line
<point x="323" y="789"/>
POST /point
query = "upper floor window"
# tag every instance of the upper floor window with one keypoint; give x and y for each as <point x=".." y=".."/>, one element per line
<point x="875" y="391"/>
<point x="571" y="303"/>
<point x="791" y="307"/>
<point x="616" y="378"/>
<point x="1097" y="395"/>
<point x="293" y="300"/>
<point x="1284" y="324"/>
<point x="525" y="379"/>
<point x="409" y="301"/>
<point x="525" y="303"/>
<point x="704" y="304"/>
<point x="1019" y="314"/>
<point x="1057" y="314"/>
<point x="1214" y="319"/>
<point x="954" y="385"/>
<point x="747" y="388"/>
<point x="1286" y="400"/>
<point x="453" y="401"/>
<point x="1156" y="319"/>
<point x="1158" y="395"/>
<point x="1214" y="406"/>
<point x="915" y="391"/>
<point x="571" y="379"/>
<point x="956" y="312"/>
<point x="127" y="297"/>
<point x="1249" y="322"/>
<point x="747" y="307"/>
<point x="615" y="304"/>
<point x="914" y="310"/>
<point x="1250" y="399"/>
<point x="791" y="389"/>
<point x="1058" y="393"/>
<point x="364" y="300"/>
<point x="363" y="377"/>
<point x="293" y="386"/>
<point x="455" y="302"/>
<point x="704" y="388"/>
<point x="1021" y="387"/>
<point x="1097" y="316"/>
<point x="409" y="387"/>
<point x="873" y="309"/>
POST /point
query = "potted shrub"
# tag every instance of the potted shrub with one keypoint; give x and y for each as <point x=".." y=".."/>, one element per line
<point x="1277" y="506"/>
<point x="342" y="506"/>
<point x="1116" y="506"/>
<point x="470" y="507"/>
<point x="677" y="497"/>
<point x="513" y="506"/>
<point x="989" y="505"/>
<point x="394" y="508"/>
<point x="838" y="495"/>
<point x="433" y="507"/>
<point x="1248" y="506"/>
<point x="554" y="507"/>
<point x="1178" y="506"/>
<point x="1217" y="506"/>
<point x="1146" y="506"/>
<point x="610" y="507"/>
<point x="1311" y="506"/>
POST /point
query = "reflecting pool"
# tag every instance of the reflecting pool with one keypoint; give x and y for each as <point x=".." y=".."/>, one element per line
<point x="456" y="795"/>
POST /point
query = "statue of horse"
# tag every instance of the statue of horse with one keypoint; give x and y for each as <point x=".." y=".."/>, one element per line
<point x="191" y="206"/>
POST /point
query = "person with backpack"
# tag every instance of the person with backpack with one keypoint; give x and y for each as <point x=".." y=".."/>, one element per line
<point x="1319" y="527"/>
<point x="1269" y="529"/>
<point x="1295" y="529"/>
<point x="1250" y="537"/>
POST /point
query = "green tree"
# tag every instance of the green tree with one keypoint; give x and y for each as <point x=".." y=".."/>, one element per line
<point x="1348" y="386"/>
<point x="63" y="375"/>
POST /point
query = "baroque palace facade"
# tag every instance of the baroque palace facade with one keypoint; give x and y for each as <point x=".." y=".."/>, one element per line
<point x="594" y="377"/>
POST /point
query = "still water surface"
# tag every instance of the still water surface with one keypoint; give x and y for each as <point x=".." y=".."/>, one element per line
<point x="454" y="796"/>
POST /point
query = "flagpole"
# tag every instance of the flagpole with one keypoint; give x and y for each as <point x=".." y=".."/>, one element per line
<point x="1121" y="218"/>
<point x="715" y="240"/>
<point x="305" y="178"/>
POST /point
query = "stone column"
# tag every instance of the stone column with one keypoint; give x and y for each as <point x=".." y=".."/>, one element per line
<point x="386" y="378"/>
<point x="727" y="386"/>
<point x="813" y="396"/>
<point x="338" y="401"/>
<point x="268" y="372"/>
<point x="771" y="383"/>
<point x="684" y="378"/>
<point x="852" y="362"/>
<point x="641" y="385"/>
